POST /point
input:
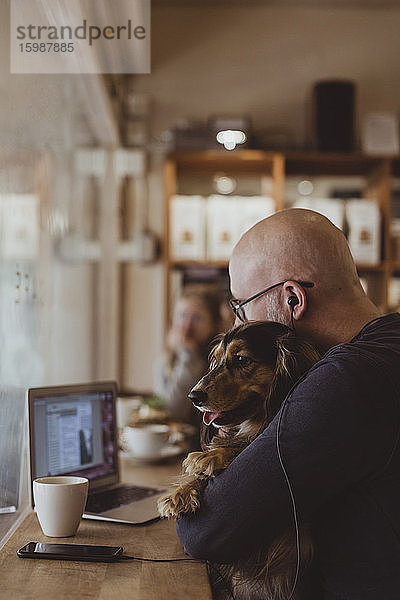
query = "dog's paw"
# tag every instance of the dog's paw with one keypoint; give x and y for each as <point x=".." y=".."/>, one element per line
<point x="206" y="463"/>
<point x="184" y="500"/>
<point x="191" y="463"/>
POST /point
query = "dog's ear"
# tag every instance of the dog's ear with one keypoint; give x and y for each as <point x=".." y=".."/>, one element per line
<point x="294" y="357"/>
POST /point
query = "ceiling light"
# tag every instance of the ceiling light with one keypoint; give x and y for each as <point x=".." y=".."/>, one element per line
<point x="230" y="138"/>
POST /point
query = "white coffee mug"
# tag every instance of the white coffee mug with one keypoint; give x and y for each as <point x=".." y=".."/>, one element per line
<point x="146" y="440"/>
<point x="59" y="504"/>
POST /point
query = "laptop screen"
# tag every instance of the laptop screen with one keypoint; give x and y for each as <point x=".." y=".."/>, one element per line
<point x="73" y="431"/>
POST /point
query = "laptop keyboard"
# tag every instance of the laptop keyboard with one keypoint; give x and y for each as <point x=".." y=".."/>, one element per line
<point x="101" y="501"/>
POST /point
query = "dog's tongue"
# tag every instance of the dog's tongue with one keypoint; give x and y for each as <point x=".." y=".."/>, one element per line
<point x="209" y="417"/>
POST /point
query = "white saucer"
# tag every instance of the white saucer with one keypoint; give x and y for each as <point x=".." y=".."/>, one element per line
<point x="167" y="452"/>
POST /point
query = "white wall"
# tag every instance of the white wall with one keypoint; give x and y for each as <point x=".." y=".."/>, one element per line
<point x="144" y="303"/>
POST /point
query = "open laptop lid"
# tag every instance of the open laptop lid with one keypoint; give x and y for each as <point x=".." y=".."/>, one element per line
<point x="73" y="431"/>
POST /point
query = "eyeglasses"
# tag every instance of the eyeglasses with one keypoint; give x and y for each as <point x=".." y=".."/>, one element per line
<point x="238" y="309"/>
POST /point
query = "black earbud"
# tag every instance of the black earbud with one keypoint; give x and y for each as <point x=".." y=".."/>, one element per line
<point x="293" y="301"/>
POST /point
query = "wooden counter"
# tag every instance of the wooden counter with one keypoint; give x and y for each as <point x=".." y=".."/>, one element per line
<point x="23" y="579"/>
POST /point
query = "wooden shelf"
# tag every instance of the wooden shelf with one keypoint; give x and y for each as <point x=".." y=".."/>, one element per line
<point x="396" y="166"/>
<point x="377" y="172"/>
<point x="395" y="266"/>
<point x="234" y="160"/>
<point x="186" y="264"/>
<point x="366" y="267"/>
<point x="328" y="163"/>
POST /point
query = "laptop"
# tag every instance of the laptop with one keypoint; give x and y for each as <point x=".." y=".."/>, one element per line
<point x="73" y="431"/>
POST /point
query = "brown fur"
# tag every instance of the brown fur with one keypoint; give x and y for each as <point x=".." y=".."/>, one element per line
<point x="248" y="392"/>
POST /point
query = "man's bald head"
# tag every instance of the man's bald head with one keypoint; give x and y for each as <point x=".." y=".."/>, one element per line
<point x="295" y="244"/>
<point x="298" y="245"/>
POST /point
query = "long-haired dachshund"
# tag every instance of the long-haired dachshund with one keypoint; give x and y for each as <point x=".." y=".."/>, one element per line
<point x="252" y="369"/>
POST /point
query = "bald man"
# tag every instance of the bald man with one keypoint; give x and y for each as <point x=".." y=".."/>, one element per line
<point x="340" y="428"/>
<point x="306" y="246"/>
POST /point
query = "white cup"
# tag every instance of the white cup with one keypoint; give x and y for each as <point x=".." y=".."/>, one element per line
<point x="59" y="504"/>
<point x="146" y="440"/>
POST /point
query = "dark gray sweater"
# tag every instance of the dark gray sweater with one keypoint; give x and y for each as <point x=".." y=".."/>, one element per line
<point x="339" y="442"/>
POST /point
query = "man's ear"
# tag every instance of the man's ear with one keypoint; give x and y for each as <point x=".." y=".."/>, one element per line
<point x="295" y="299"/>
<point x="294" y="358"/>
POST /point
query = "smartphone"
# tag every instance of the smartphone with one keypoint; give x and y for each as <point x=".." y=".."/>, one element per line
<point x="70" y="552"/>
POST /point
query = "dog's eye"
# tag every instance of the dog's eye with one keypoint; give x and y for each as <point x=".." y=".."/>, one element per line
<point x="243" y="361"/>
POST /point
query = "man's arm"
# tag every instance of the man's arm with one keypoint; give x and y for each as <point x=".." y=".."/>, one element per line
<point x="332" y="435"/>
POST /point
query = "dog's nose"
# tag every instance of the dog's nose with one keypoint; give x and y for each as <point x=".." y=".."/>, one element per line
<point x="198" y="397"/>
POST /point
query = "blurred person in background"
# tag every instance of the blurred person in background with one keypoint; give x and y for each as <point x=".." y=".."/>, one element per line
<point x="196" y="321"/>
